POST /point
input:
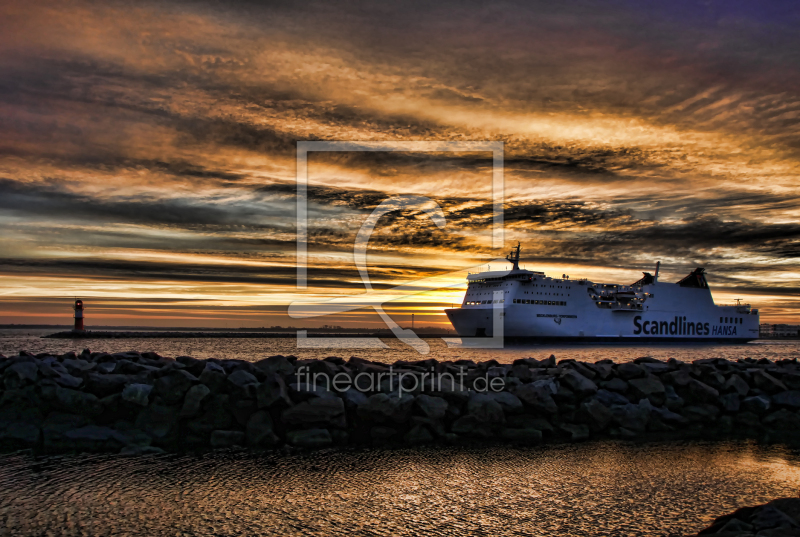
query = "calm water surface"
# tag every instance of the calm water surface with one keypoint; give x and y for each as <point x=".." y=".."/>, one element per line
<point x="12" y="341"/>
<point x="597" y="488"/>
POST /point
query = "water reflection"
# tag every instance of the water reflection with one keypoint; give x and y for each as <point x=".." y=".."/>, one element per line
<point x="599" y="488"/>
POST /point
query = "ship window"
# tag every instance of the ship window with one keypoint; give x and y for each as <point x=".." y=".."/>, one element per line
<point x="720" y="319"/>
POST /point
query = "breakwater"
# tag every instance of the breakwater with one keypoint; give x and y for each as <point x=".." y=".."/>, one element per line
<point x="778" y="518"/>
<point x="141" y="402"/>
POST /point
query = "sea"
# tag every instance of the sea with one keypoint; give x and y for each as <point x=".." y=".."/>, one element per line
<point x="595" y="488"/>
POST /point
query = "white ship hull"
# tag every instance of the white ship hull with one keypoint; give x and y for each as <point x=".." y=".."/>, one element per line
<point x="533" y="306"/>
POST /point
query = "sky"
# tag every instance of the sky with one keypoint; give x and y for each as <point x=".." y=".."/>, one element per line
<point x="148" y="152"/>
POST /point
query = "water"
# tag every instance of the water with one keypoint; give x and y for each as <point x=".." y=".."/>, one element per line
<point x="597" y="488"/>
<point x="12" y="341"/>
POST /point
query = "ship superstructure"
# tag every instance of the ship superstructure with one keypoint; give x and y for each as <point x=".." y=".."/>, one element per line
<point x="536" y="306"/>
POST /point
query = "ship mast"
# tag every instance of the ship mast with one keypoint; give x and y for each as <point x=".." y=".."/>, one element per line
<point x="513" y="257"/>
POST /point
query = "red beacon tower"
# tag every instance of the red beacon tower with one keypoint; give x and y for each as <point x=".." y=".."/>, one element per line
<point x="78" y="307"/>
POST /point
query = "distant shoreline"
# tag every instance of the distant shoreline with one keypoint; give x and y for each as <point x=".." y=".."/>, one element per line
<point x="266" y="335"/>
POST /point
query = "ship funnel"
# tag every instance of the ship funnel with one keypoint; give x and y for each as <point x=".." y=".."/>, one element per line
<point x="658" y="265"/>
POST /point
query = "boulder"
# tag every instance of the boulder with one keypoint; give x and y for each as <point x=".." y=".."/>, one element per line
<point x="578" y="383"/>
<point x="616" y="385"/>
<point x="784" y="422"/>
<point x="328" y="411"/>
<point x="76" y="402"/>
<point x="509" y="402"/>
<point x="275" y="365"/>
<point x="137" y="394"/>
<point x="382" y="407"/>
<point x="735" y="383"/>
<point x="631" y="417"/>
<point x="353" y="398"/>
<point x="485" y="409"/>
<point x="226" y="439"/>
<point x="431" y="406"/>
<point x="701" y="413"/>
<point x="173" y="386"/>
<point x="310" y="438"/>
<point x="55" y="427"/>
<point x="21" y="373"/>
<point x="629" y="371"/>
<point x="241" y="378"/>
<point x="537" y="398"/>
<point x="418" y="434"/>
<point x="381" y="434"/>
<point x="578" y="432"/>
<point x="214" y="377"/>
<point x="259" y="430"/>
<point x="730" y="402"/>
<point x="527" y="421"/>
<point x="193" y="399"/>
<point x="769" y="384"/>
<point x="609" y="398"/>
<point x="471" y="427"/>
<point x="20" y="434"/>
<point x="699" y="392"/>
<point x="103" y="385"/>
<point x="160" y="423"/>
<point x="273" y="392"/>
<point x="757" y="404"/>
<point x="650" y="388"/>
<point x="95" y="438"/>
<point x="789" y="399"/>
<point x="747" y="420"/>
<point x="526" y="436"/>
<point x="595" y="414"/>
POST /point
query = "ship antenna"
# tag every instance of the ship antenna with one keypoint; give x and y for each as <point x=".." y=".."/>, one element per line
<point x="513" y="257"/>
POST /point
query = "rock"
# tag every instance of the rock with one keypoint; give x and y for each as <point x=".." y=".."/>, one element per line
<point x="138" y="394"/>
<point x="226" y="439"/>
<point x="616" y="385"/>
<point x="650" y="388"/>
<point x="783" y="421"/>
<point x="310" y="438"/>
<point x="273" y="392"/>
<point x="103" y="385"/>
<point x="595" y="414"/>
<point x="20" y="434"/>
<point x="673" y="401"/>
<point x="701" y="413"/>
<point x="433" y="407"/>
<point x="609" y="398"/>
<point x="629" y="371"/>
<point x="485" y="409"/>
<point x="77" y="366"/>
<point x="789" y="399"/>
<point x="632" y="417"/>
<point x="578" y="383"/>
<point x="699" y="392"/>
<point x="419" y="434"/>
<point x="526" y="421"/>
<point x="193" y="399"/>
<point x="381" y="434"/>
<point x="304" y="391"/>
<point x="160" y="423"/>
<point x="327" y="411"/>
<point x="471" y="426"/>
<point x="21" y="373"/>
<point x="509" y="402"/>
<point x="241" y="378"/>
<point x="382" y="407"/>
<point x="259" y="430"/>
<point x="747" y="420"/>
<point x="95" y="438"/>
<point x="526" y="436"/>
<point x="173" y="386"/>
<point x="730" y="402"/>
<point x="736" y="384"/>
<point x="757" y="404"/>
<point x="353" y="398"/>
<point x="55" y="427"/>
<point x="76" y="402"/>
<point x="275" y="365"/>
<point x="537" y="398"/>
<point x="214" y="377"/>
<point x="768" y="383"/>
<point x="668" y="416"/>
<point x="577" y="432"/>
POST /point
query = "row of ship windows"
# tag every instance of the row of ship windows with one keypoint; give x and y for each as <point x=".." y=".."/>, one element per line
<point x="501" y="301"/>
<point x="541" y="302"/>
<point x="733" y="320"/>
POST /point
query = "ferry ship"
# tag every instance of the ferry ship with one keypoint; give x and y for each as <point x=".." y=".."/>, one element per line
<point x="533" y="306"/>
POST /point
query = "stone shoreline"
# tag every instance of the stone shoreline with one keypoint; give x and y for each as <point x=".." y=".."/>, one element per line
<point x="142" y="402"/>
<point x="778" y="518"/>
